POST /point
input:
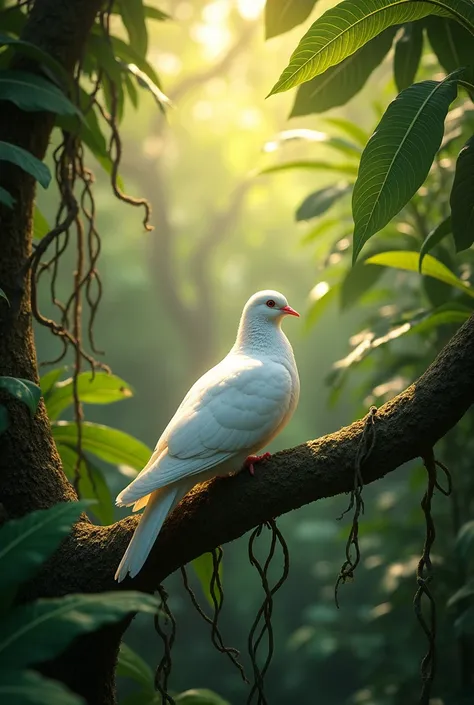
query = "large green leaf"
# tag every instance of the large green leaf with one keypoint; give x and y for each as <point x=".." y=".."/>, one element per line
<point x="131" y="665"/>
<point x="34" y="52"/>
<point x="346" y="168"/>
<point x="40" y="224"/>
<point x="144" y="81"/>
<point x="399" y="155"/>
<point x="5" y="197"/>
<point x="320" y="201"/>
<point x="133" y="16"/>
<point x="462" y="198"/>
<point x="32" y="93"/>
<point x="109" y="444"/>
<point x="129" y="56"/>
<point x="431" y="266"/>
<point x="340" y="83"/>
<point x="27" y="542"/>
<point x="434" y="238"/>
<point x="41" y="630"/>
<point x="26" y="161"/>
<point x="24" y="390"/>
<point x="283" y="15"/>
<point x="407" y="57"/>
<point x="200" y="696"/>
<point x="204" y="567"/>
<point x="452" y="44"/>
<point x="343" y="29"/>
<point x="29" y="688"/>
<point x="48" y="380"/>
<point x="102" y="388"/>
<point x="358" y="280"/>
<point x="92" y="484"/>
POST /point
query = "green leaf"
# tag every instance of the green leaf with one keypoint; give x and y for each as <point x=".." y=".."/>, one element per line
<point x="350" y="169"/>
<point x="92" y="484"/>
<point x="153" y="13"/>
<point x="34" y="52"/>
<point x="40" y="224"/>
<point x="201" y="696"/>
<point x="398" y="156"/>
<point x="48" y="380"/>
<point x="358" y="280"/>
<point x="408" y="50"/>
<point x="5" y="197"/>
<point x="4" y="296"/>
<point x="4" y="419"/>
<point x="432" y="267"/>
<point x="144" y="81"/>
<point x="465" y="540"/>
<point x="29" y="688"/>
<point x="131" y="665"/>
<point x="466" y="592"/>
<point x="283" y="15"/>
<point x="26" y="161"/>
<point x="107" y="443"/>
<point x="320" y="201"/>
<point x="24" y="390"/>
<point x="465" y="622"/>
<point x="27" y="542"/>
<point x="434" y="238"/>
<point x="440" y="318"/>
<point x="129" y="56"/>
<point x="41" y="630"/>
<point x="354" y="131"/>
<point x="452" y="43"/>
<point x="319" y="302"/>
<point x="32" y="93"/>
<point x="343" y="29"/>
<point x="305" y="135"/>
<point x="462" y="198"/>
<point x="342" y="82"/>
<point x="203" y="567"/>
<point x="102" y="388"/>
<point x="133" y="16"/>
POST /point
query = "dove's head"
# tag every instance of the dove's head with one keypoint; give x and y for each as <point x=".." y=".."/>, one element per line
<point x="268" y="305"/>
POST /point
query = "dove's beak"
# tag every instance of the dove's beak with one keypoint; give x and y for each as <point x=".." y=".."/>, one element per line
<point x="290" y="311"/>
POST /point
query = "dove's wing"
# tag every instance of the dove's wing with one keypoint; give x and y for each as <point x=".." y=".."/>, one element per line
<point x="235" y="407"/>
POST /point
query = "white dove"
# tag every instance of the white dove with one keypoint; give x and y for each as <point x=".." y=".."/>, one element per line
<point x="228" y="414"/>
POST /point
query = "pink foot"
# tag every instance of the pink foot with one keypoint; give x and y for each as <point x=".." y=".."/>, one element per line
<point x="255" y="459"/>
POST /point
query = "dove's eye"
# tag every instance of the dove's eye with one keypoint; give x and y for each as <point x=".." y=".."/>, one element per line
<point x="270" y="303"/>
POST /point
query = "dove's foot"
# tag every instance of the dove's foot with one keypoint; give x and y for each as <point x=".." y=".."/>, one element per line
<point x="255" y="459"/>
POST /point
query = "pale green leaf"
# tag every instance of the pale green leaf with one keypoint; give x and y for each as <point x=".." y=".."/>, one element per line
<point x="49" y="379"/>
<point x="319" y="302"/>
<point x="305" y="135"/>
<point x="100" y="388"/>
<point x="203" y="567"/>
<point x="40" y="224"/>
<point x="349" y="169"/>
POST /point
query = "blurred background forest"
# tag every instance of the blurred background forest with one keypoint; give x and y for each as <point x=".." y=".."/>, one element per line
<point x="170" y="306"/>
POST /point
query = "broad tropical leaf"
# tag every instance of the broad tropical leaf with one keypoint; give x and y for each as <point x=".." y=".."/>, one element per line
<point x="399" y="155"/>
<point x="91" y="486"/>
<point x="33" y="93"/>
<point x="340" y="83"/>
<point x="27" y="542"/>
<point x="26" y="161"/>
<point x="358" y="280"/>
<point x="343" y="29"/>
<point x="48" y="380"/>
<point x="407" y="57"/>
<point x="434" y="238"/>
<point x="462" y="198"/>
<point x="320" y="201"/>
<point x="283" y="15"/>
<point x="24" y="390"/>
<point x="34" y="52"/>
<point x="452" y="43"/>
<point x="203" y="567"/>
<point x="100" y="388"/>
<point x="131" y="665"/>
<point x="42" y="629"/>
<point x="40" y="224"/>
<point x="109" y="444"/>
<point x="29" y="688"/>
<point x="431" y="266"/>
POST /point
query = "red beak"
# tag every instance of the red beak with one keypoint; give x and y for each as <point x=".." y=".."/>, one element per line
<point x="290" y="311"/>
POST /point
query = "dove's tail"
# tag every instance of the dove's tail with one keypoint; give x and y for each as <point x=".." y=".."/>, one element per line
<point x="159" y="505"/>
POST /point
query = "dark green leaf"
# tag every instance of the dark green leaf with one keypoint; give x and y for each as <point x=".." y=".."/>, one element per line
<point x="4" y="419"/>
<point x="4" y="296"/>
<point x="358" y="280"/>
<point x="34" y="52"/>
<point x="107" y="443"/>
<point x="200" y="696"/>
<point x="350" y="169"/>
<point x="320" y="201"/>
<point x="452" y="43"/>
<point x="434" y="238"/>
<point x="41" y="630"/>
<point x="92" y="484"/>
<point x="102" y="388"/>
<point x="343" y="29"/>
<point x="340" y="83"/>
<point x="5" y="197"/>
<point x="203" y="567"/>
<point x="398" y="156"/>
<point x="40" y="224"/>
<point x="142" y="697"/>
<point x="24" y="390"/>
<point x="465" y="540"/>
<point x="408" y="50"/>
<point x="26" y="161"/>
<point x="32" y="93"/>
<point x="462" y="198"/>
<point x="432" y="267"/>
<point x="133" y="16"/>
<point x="283" y="15"/>
<point x="27" y="542"/>
<point x="131" y="665"/>
<point x="466" y="592"/>
<point x="29" y="688"/>
<point x="13" y="20"/>
<point x="465" y="622"/>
